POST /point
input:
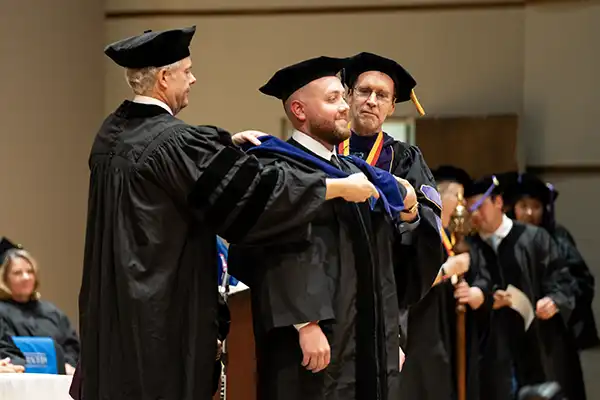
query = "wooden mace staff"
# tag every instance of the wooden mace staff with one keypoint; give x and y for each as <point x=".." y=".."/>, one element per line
<point x="459" y="227"/>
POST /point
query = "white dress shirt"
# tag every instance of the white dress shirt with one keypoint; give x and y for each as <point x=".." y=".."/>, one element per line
<point x="500" y="233"/>
<point x="151" y="101"/>
<point x="313" y="145"/>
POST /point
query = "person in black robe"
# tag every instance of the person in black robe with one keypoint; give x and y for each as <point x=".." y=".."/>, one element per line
<point x="23" y="313"/>
<point x="430" y="369"/>
<point x="375" y="84"/>
<point x="524" y="257"/>
<point x="530" y="200"/>
<point x="326" y="308"/>
<point x="160" y="190"/>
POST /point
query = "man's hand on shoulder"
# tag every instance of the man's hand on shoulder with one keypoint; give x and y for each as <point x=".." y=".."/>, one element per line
<point x="247" y="136"/>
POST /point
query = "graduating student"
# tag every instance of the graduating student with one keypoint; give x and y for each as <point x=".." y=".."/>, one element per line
<point x="160" y="190"/>
<point x="531" y="200"/>
<point x="524" y="257"/>
<point x="325" y="305"/>
<point x="430" y="369"/>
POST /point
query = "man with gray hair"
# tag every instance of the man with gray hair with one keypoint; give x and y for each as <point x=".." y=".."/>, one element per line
<point x="160" y="190"/>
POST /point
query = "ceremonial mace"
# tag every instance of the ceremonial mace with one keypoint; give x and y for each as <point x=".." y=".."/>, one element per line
<point x="459" y="227"/>
<point x="224" y="292"/>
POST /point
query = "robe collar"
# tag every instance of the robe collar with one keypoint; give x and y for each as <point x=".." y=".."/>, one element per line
<point x="502" y="231"/>
<point x="152" y="101"/>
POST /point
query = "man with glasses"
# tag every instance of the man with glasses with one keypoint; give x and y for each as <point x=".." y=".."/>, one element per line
<point x="375" y="84"/>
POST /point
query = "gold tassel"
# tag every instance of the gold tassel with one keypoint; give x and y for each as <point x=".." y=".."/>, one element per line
<point x="414" y="99"/>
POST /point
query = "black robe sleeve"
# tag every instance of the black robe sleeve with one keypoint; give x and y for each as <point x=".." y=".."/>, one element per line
<point x="556" y="281"/>
<point x="7" y="346"/>
<point x="560" y="232"/>
<point x="69" y="340"/>
<point x="242" y="200"/>
<point x="584" y="282"/>
<point x="478" y="274"/>
<point x="419" y="259"/>
<point x="582" y="323"/>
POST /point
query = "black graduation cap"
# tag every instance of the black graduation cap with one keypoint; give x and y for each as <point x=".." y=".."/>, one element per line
<point x="6" y="245"/>
<point x="526" y="184"/>
<point x="289" y="79"/>
<point x="487" y="186"/>
<point x="404" y="83"/>
<point x="450" y="173"/>
<point x="152" y="49"/>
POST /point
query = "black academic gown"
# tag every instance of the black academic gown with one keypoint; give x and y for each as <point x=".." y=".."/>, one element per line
<point x="37" y="318"/>
<point x="424" y="245"/>
<point x="341" y="275"/>
<point x="527" y="258"/>
<point x="160" y="190"/>
<point x="430" y="368"/>
<point x="582" y="322"/>
<point x="427" y="372"/>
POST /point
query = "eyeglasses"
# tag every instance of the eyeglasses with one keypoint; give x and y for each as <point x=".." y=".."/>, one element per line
<point x="363" y="93"/>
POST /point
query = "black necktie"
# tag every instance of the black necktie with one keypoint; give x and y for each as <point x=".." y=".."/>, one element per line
<point x="336" y="162"/>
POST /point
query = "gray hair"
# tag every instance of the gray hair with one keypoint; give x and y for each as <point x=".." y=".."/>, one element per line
<point x="142" y="80"/>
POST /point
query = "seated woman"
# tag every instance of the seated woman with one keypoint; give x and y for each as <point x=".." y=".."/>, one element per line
<point x="22" y="313"/>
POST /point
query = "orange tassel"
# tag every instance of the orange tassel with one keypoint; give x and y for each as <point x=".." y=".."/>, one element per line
<point x="414" y="99"/>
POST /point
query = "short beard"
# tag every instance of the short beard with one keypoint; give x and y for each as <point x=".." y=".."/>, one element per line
<point x="330" y="131"/>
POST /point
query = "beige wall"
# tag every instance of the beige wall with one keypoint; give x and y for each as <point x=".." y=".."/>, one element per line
<point x="562" y="85"/>
<point x="50" y="105"/>
<point x="127" y="5"/>
<point x="467" y="62"/>
<point x="561" y="110"/>
<point x="560" y="125"/>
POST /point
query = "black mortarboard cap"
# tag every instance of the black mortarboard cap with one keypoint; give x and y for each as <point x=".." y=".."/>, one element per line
<point x="289" y="79"/>
<point x="487" y="186"/>
<point x="526" y="184"/>
<point x="152" y="49"/>
<point x="450" y="173"/>
<point x="404" y="83"/>
<point x="6" y="245"/>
